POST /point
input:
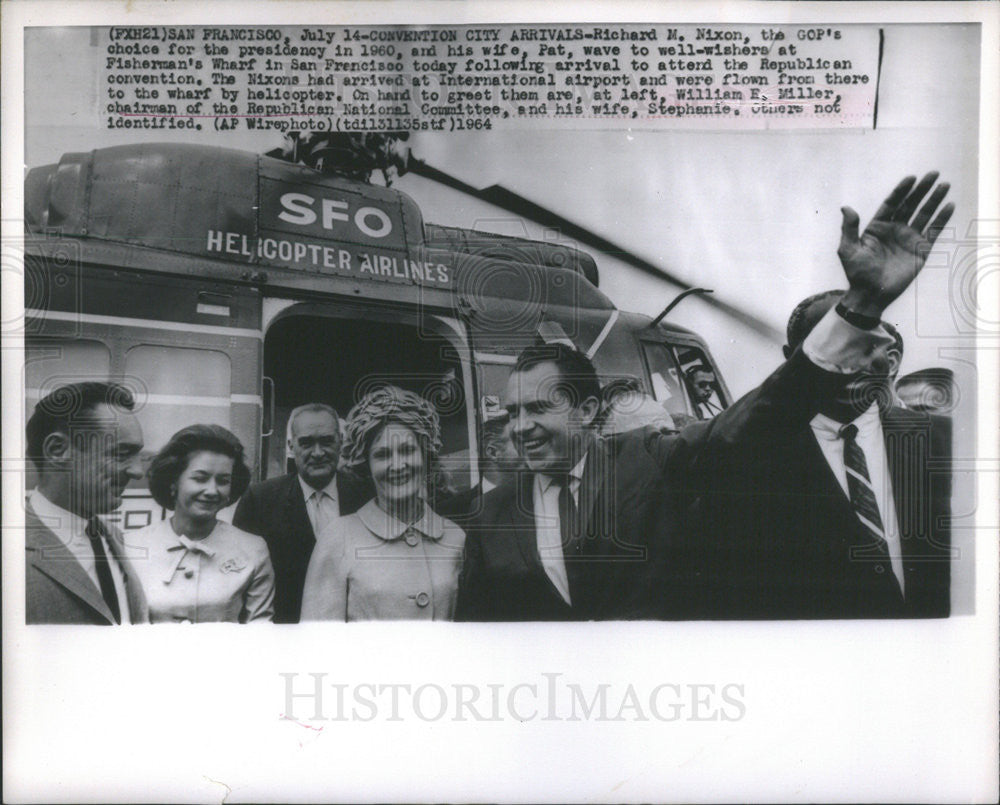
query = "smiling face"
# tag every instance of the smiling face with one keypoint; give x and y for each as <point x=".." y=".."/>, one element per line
<point x="204" y="486"/>
<point x="315" y="443"/>
<point x="397" y="467"/>
<point x="547" y="428"/>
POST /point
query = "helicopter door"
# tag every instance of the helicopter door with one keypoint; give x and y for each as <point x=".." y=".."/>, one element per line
<point x="335" y="353"/>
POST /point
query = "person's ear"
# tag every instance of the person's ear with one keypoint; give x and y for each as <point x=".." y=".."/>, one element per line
<point x="588" y="410"/>
<point x="895" y="358"/>
<point x="56" y="448"/>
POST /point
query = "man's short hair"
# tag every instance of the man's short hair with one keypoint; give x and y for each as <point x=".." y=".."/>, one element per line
<point x="578" y="377"/>
<point x="57" y="410"/>
<point x="804" y="319"/>
<point x="312" y="408"/>
<point x="619" y="386"/>
<point x="495" y="432"/>
<point x="698" y="369"/>
<point x="800" y="323"/>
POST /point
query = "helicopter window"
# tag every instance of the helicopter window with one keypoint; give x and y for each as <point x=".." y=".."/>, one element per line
<point x="49" y="366"/>
<point x="701" y="380"/>
<point x="663" y="374"/>
<point x="163" y="409"/>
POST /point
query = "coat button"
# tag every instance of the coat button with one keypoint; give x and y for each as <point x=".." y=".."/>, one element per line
<point x="412" y="539"/>
<point x="189" y="574"/>
<point x="423" y="600"/>
<point x="879" y="569"/>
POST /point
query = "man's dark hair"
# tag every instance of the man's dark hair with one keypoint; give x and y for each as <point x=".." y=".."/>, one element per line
<point x="57" y="410"/>
<point x="698" y="368"/>
<point x="578" y="378"/>
<point x="800" y="323"/>
<point x="810" y="310"/>
<point x="619" y="386"/>
<point x="495" y="432"/>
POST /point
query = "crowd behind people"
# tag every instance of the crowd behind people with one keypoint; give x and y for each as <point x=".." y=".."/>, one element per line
<point x="593" y="503"/>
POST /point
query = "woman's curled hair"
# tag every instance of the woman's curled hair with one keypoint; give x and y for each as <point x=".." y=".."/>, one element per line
<point x="391" y="404"/>
<point x="173" y="459"/>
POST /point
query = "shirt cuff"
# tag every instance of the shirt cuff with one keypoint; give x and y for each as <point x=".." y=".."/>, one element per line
<point x="838" y="346"/>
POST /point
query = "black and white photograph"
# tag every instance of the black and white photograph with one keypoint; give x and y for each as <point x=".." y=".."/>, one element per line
<point x="650" y="350"/>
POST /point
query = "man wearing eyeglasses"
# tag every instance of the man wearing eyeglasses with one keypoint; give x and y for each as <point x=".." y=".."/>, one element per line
<point x="288" y="511"/>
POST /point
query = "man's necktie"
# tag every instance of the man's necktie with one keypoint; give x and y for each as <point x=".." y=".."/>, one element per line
<point x="862" y="496"/>
<point x="95" y="532"/>
<point x="320" y="519"/>
<point x="570" y="533"/>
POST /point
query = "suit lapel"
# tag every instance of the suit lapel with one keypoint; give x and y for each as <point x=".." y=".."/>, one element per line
<point x="907" y="448"/>
<point x="50" y="556"/>
<point x="138" y="608"/>
<point x="352" y="493"/>
<point x="344" y="494"/>
<point x="296" y="515"/>
<point x="597" y="474"/>
<point x="521" y="520"/>
<point x="817" y="477"/>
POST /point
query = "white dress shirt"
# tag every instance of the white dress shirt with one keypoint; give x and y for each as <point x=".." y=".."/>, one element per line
<point x="71" y="529"/>
<point x="547" y="526"/>
<point x="321" y="504"/>
<point x="872" y="442"/>
<point x="836" y="345"/>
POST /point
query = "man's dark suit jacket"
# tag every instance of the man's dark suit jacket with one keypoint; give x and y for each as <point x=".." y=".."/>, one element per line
<point x="461" y="507"/>
<point x="58" y="589"/>
<point x="275" y="509"/>
<point x="639" y="561"/>
<point x="784" y="530"/>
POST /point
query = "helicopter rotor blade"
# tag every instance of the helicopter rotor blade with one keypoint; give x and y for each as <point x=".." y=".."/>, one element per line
<point x="500" y="196"/>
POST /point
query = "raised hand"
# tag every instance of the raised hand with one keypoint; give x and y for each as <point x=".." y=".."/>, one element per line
<point x="886" y="258"/>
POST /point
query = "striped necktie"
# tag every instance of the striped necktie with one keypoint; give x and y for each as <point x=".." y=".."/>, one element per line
<point x="862" y="496"/>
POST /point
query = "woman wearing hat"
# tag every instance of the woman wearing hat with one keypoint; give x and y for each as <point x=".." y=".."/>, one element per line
<point x="395" y="558"/>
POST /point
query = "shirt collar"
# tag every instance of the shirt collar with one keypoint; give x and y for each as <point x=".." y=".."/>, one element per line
<point x="388" y="528"/>
<point x="58" y="519"/>
<point x="826" y="428"/>
<point x="330" y="490"/>
<point x="576" y="475"/>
